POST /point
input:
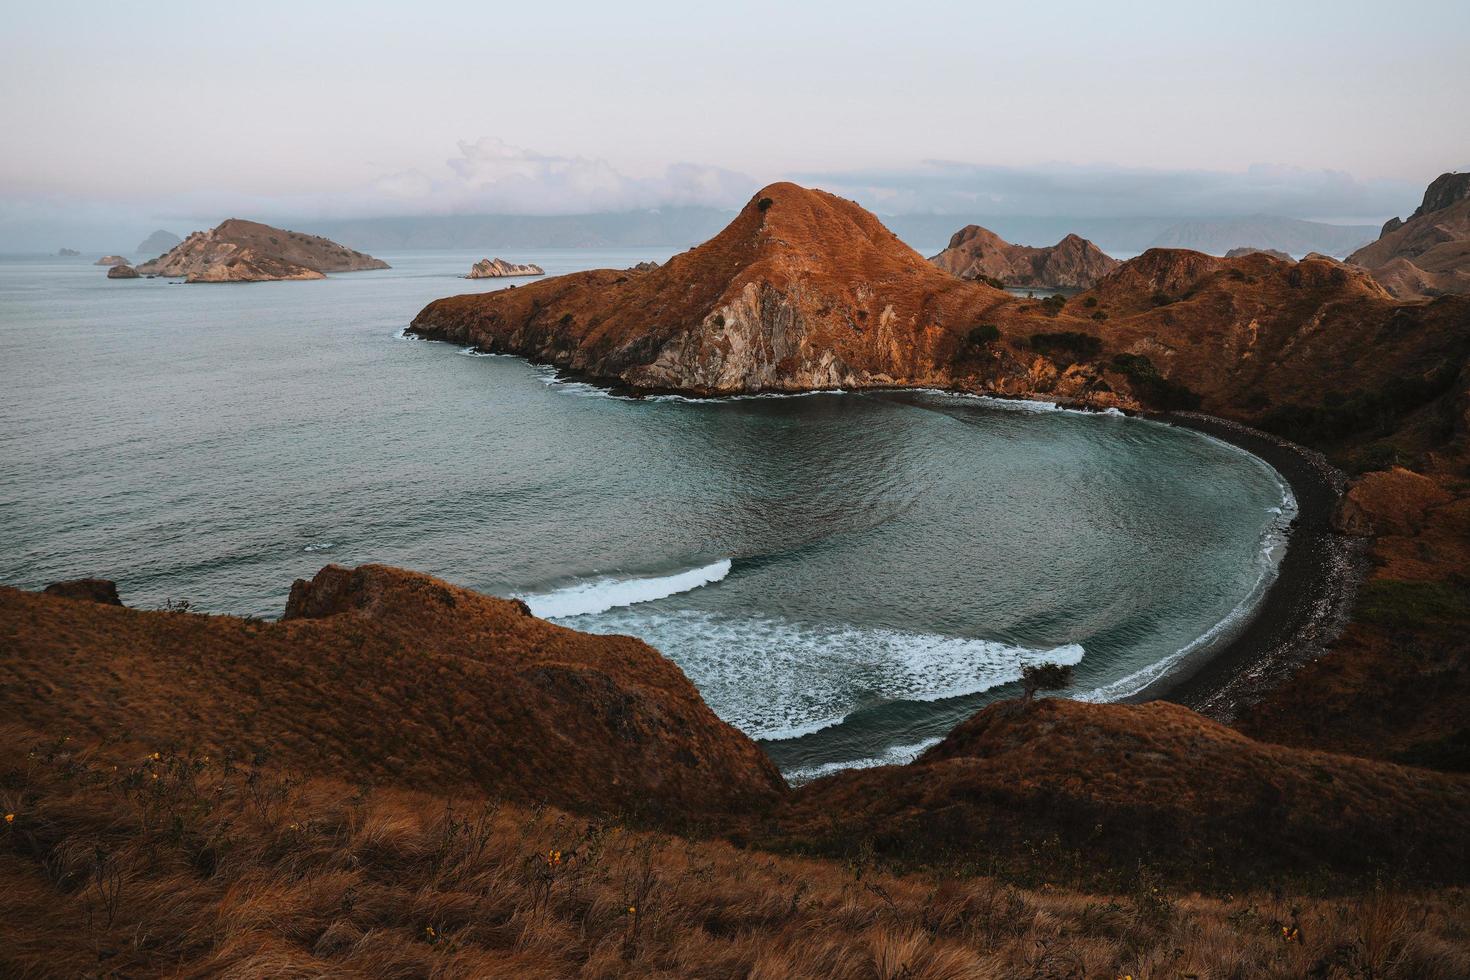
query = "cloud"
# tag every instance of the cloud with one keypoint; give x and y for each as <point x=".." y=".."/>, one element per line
<point x="1099" y="191"/>
<point x="495" y="177"/>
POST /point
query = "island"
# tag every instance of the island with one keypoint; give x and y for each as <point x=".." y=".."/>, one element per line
<point x="157" y="243"/>
<point x="248" y="251"/>
<point x="499" y="268"/>
<point x="111" y="260"/>
<point x="123" y="271"/>
<point x="68" y="253"/>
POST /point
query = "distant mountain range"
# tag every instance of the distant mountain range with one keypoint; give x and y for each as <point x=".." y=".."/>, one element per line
<point x="686" y="226"/>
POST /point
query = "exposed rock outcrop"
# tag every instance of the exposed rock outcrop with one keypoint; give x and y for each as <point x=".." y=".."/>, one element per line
<point x="978" y="253"/>
<point x="381" y="675"/>
<point x="157" y="243"/>
<point x="1429" y="254"/>
<point x="497" y="268"/>
<point x="123" y="271"/>
<point x="87" y="589"/>
<point x="247" y="251"/>
<point x="111" y="260"/>
<point x="1236" y="253"/>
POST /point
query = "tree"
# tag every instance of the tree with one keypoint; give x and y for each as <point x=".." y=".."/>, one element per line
<point x="1043" y="677"/>
<point x="985" y="333"/>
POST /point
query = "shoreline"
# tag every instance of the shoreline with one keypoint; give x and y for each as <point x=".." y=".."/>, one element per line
<point x="1305" y="607"/>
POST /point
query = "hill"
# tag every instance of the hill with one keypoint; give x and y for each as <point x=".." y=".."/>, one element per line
<point x="802" y="290"/>
<point x="1291" y="235"/>
<point x="391" y="678"/>
<point x="977" y="253"/>
<point x="157" y="243"/>
<point x="247" y="251"/>
<point x="1429" y="254"/>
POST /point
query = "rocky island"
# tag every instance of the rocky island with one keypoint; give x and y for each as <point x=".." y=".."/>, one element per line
<point x="67" y="253"/>
<point x="978" y="253"/>
<point x="499" y="268"/>
<point x="111" y="260"/>
<point x="122" y="271"/>
<point x="247" y="251"/>
<point x="157" y="243"/>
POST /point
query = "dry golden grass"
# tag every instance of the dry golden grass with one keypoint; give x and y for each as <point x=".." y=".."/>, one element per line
<point x="118" y="862"/>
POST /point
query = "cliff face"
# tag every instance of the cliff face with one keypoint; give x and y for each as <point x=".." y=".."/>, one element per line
<point x="802" y="290"/>
<point x="496" y="268"/>
<point x="247" y="251"/>
<point x="1429" y="254"/>
<point x="977" y="253"/>
<point x="385" y="676"/>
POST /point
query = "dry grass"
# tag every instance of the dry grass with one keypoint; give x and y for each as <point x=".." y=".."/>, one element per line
<point x="120" y="863"/>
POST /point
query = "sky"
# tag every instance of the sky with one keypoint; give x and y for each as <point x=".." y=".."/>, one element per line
<point x="169" y="111"/>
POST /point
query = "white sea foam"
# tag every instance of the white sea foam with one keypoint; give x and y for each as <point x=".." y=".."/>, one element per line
<point x="775" y="678"/>
<point x="319" y="546"/>
<point x="895" y="755"/>
<point x="601" y="594"/>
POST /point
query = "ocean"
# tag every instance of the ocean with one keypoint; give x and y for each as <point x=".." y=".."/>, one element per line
<point x="844" y="576"/>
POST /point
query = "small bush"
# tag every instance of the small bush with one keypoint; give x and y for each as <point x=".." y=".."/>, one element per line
<point x="1161" y="299"/>
<point x="1099" y="316"/>
<point x="1078" y="346"/>
<point x="1090" y="302"/>
<point x="719" y="319"/>
<point x="1044" y="677"/>
<point x="1152" y="386"/>
<point x="983" y="335"/>
<point x="1053" y="304"/>
<point x="764" y="204"/>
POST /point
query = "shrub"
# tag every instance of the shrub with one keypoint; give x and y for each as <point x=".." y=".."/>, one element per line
<point x="1090" y="302"/>
<point x="1099" y="316"/>
<point x="1161" y="299"/>
<point x="1152" y="386"/>
<point x="991" y="281"/>
<point x="1044" y="677"/>
<point x="719" y="320"/>
<point x="1053" y="304"/>
<point x="1079" y="346"/>
<point x="764" y="203"/>
<point x="985" y="333"/>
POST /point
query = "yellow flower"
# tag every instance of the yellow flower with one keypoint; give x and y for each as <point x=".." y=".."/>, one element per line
<point x="10" y="818"/>
<point x="632" y="910"/>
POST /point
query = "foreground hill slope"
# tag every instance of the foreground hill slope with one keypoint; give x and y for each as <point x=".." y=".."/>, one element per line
<point x="248" y="251"/>
<point x="388" y="677"/>
<point x="979" y="253"/>
<point x="802" y="290"/>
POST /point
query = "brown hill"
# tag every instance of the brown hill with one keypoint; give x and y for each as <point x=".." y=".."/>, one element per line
<point x="978" y="253"/>
<point x="1154" y="784"/>
<point x="383" y="676"/>
<point x="248" y="251"/>
<point x="802" y="290"/>
<point x="1275" y="253"/>
<point x="1429" y="254"/>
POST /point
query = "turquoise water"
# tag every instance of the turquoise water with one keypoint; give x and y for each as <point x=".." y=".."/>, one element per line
<point x="843" y="575"/>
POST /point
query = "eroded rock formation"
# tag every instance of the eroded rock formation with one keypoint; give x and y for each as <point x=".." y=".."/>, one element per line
<point x="978" y="253"/>
<point x="497" y="268"/>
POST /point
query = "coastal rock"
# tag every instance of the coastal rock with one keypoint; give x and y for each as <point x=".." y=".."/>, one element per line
<point x="497" y="268"/>
<point x="247" y="251"/>
<point x="67" y="253"/>
<point x="157" y="243"/>
<point x="978" y="253"/>
<point x="123" y="271"/>
<point x="111" y="260"/>
<point x="1236" y="253"/>
<point x="86" y="589"/>
<point x="382" y="675"/>
<point x="1429" y="254"/>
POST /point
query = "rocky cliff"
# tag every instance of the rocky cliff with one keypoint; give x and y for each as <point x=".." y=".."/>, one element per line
<point x="978" y="253"/>
<point x="1429" y="254"/>
<point x="802" y="290"/>
<point x="247" y="251"/>
<point x="497" y="268"/>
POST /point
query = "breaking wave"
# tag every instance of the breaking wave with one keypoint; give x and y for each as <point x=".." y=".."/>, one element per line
<point x="602" y="594"/>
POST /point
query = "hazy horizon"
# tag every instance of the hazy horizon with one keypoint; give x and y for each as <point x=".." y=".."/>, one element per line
<point x="123" y="122"/>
